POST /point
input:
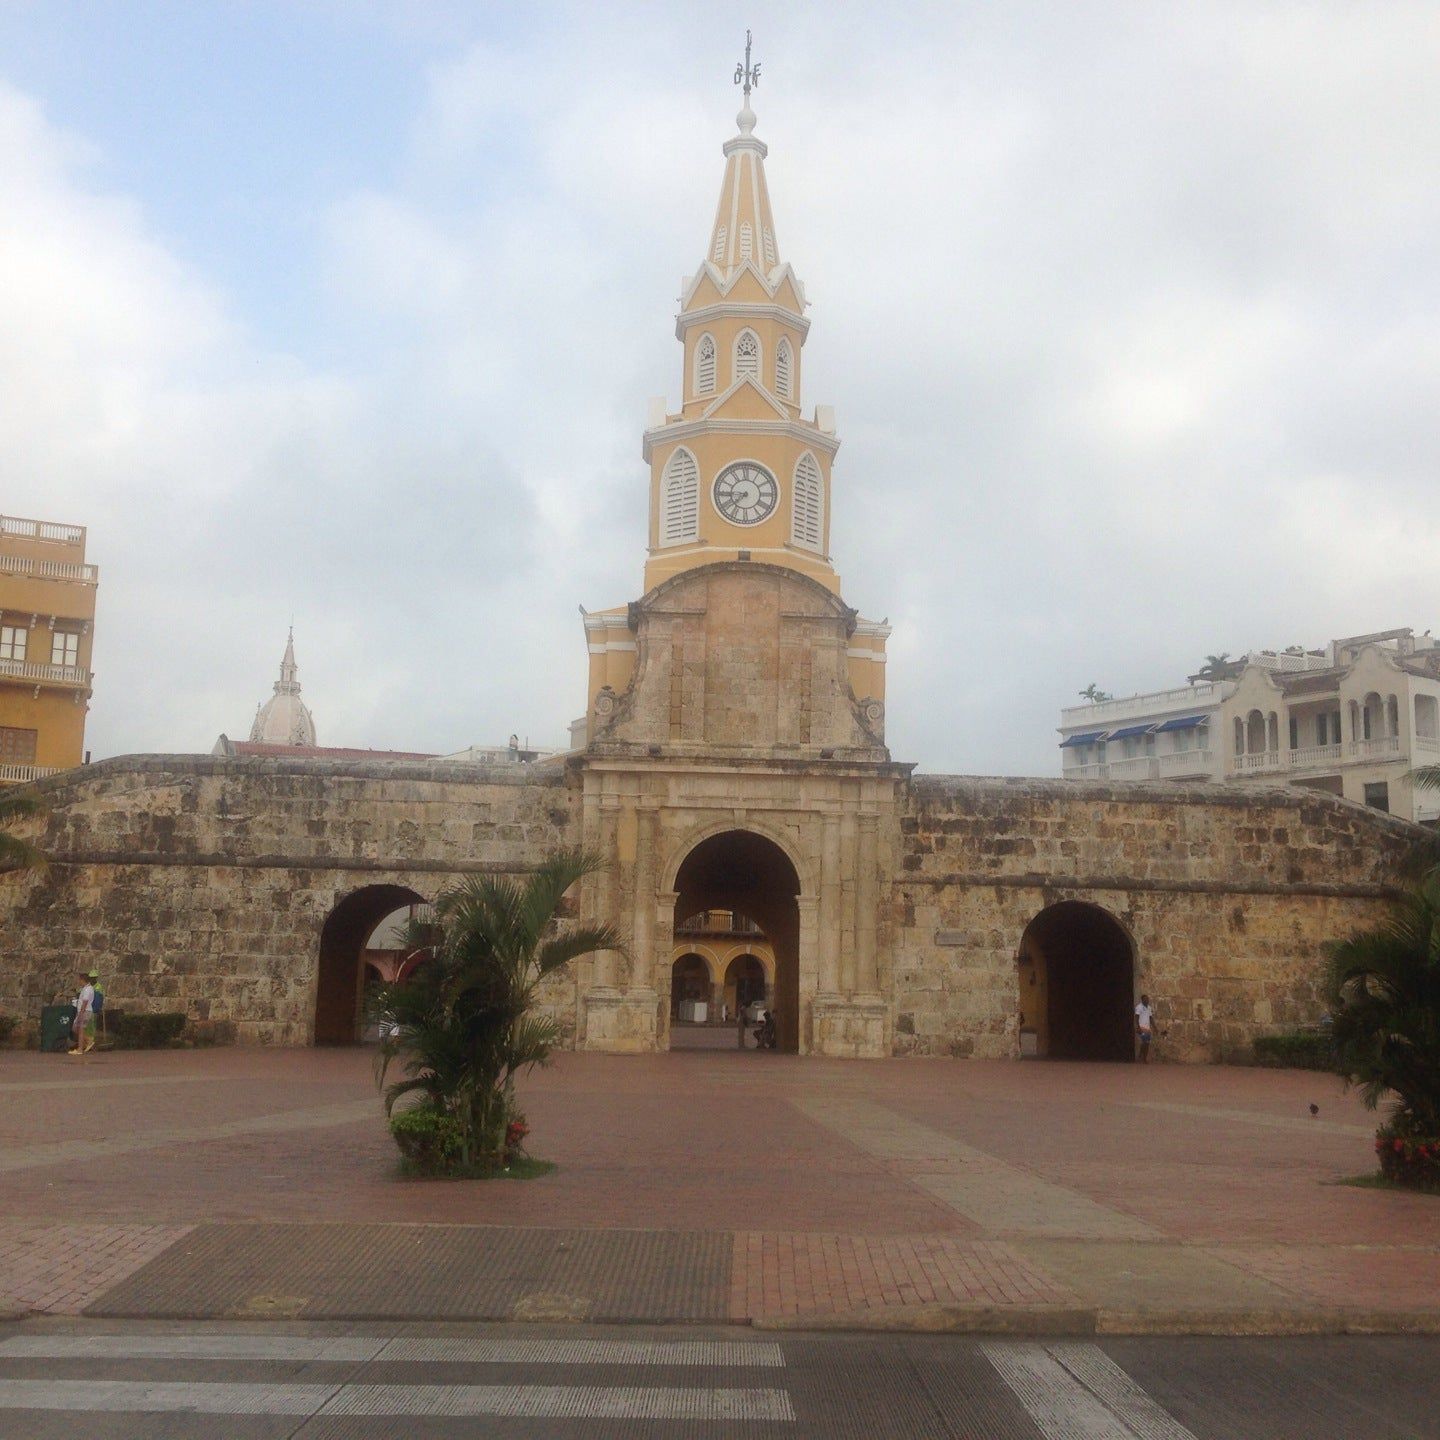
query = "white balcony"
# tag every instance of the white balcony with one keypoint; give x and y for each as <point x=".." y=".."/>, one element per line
<point x="1193" y="764"/>
<point x="44" y="674"/>
<point x="1133" y="767"/>
<point x="1387" y="747"/>
<point x="1316" y="757"/>
<point x="1094" y="771"/>
<point x="1151" y="706"/>
<point x="1261" y="762"/>
<point x="48" y="569"/>
<point x="41" y="530"/>
<point x="24" y="774"/>
<point x="1425" y="744"/>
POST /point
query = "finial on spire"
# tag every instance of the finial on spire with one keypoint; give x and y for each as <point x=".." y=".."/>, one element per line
<point x="747" y="75"/>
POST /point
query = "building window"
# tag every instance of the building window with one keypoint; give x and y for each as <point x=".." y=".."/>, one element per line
<point x="745" y="240"/>
<point x="1322" y="729"/>
<point x="720" y="236"/>
<point x="1294" y="732"/>
<point x="747" y="356"/>
<point x="17" y="747"/>
<point x="705" y="365"/>
<point x="680" y="500"/>
<point x="782" y="369"/>
<point x="1377" y="795"/>
<point x="807" y="526"/>
<point x="65" y="648"/>
<point x="12" y="642"/>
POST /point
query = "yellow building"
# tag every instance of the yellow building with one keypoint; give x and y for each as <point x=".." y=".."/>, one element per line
<point x="738" y="472"/>
<point x="47" y="596"/>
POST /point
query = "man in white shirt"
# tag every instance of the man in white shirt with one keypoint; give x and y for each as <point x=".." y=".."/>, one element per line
<point x="85" y="1014"/>
<point x="1144" y="1023"/>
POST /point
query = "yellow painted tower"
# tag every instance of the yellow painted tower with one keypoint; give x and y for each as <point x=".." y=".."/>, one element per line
<point x="738" y="473"/>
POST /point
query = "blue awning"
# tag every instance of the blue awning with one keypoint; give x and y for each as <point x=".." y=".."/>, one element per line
<point x="1130" y="731"/>
<point x="1188" y="722"/>
<point x="1087" y="739"/>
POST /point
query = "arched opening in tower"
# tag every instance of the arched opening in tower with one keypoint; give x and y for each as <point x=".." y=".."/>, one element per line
<point x="347" y="958"/>
<point x="751" y="879"/>
<point x="1077" y="984"/>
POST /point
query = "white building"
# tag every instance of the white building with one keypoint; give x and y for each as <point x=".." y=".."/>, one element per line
<point x="1352" y="719"/>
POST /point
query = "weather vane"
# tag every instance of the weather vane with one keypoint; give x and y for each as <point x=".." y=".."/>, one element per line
<point x="747" y="74"/>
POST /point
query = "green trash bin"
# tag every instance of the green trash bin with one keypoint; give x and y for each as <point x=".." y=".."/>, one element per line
<point x="55" y="1023"/>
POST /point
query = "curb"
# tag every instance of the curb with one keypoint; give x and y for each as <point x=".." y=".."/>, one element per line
<point x="945" y="1320"/>
<point x="1268" y="1322"/>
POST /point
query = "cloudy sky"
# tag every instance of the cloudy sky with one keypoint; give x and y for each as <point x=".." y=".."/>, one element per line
<point x="349" y="311"/>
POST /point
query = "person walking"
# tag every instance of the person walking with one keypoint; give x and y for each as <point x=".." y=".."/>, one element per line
<point x="84" y="1026"/>
<point x="1145" y="1024"/>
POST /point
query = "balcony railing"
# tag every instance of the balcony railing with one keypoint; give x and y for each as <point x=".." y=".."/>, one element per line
<point x="1157" y="702"/>
<point x="41" y="530"/>
<point x="1324" y="757"/>
<point x="23" y="774"/>
<point x="1426" y="744"/>
<point x="49" y="569"/>
<point x="1195" y="764"/>
<point x="1309" y="757"/>
<point x="46" y="674"/>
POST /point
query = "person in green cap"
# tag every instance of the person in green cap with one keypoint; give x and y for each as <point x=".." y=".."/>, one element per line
<point x="84" y="1026"/>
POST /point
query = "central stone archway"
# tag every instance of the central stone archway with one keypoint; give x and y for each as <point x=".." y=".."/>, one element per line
<point x="743" y="871"/>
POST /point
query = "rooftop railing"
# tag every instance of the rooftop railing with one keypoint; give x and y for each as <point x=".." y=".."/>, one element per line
<point x="1155" y="702"/>
<point x="49" y="569"/>
<point x="42" y="530"/>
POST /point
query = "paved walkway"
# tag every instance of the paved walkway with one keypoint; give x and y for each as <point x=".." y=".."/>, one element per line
<point x="710" y="1186"/>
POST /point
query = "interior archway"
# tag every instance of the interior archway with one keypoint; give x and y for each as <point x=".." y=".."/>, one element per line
<point x="1077" y="984"/>
<point x="741" y="871"/>
<point x="744" y="982"/>
<point x="689" y="984"/>
<point x="338" y="988"/>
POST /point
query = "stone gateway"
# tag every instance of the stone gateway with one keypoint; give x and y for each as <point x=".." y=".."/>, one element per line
<point x="732" y="757"/>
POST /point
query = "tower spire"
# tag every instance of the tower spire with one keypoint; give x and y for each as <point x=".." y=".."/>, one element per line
<point x="747" y="75"/>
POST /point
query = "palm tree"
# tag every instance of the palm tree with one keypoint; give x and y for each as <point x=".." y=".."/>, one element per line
<point x="15" y="853"/>
<point x="461" y="1025"/>
<point x="1095" y="694"/>
<point x="1385" y="989"/>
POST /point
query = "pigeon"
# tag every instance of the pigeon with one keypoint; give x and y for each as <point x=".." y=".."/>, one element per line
<point x="1314" y="1109"/>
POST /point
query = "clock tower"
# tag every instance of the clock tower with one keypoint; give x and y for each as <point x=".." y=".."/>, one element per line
<point x="739" y="475"/>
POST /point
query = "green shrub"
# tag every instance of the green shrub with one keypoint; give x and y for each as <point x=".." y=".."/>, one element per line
<point x="1299" y="1050"/>
<point x="127" y="1030"/>
<point x="430" y="1140"/>
<point x="7" y="1027"/>
<point x="1409" y="1160"/>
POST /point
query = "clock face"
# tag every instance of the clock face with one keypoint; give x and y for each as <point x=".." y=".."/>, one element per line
<point x="746" y="493"/>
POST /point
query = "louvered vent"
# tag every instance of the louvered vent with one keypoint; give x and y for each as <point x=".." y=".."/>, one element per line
<point x="720" y="235"/>
<point x="782" y="370"/>
<point x="680" y="500"/>
<point x="705" y="366"/>
<point x="745" y="240"/>
<point x="747" y="356"/>
<point x="808" y="520"/>
<point x="769" y="247"/>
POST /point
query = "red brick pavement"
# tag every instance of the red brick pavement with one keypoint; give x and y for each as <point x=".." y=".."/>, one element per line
<point x="60" y="1269"/>
<point x="778" y="1276"/>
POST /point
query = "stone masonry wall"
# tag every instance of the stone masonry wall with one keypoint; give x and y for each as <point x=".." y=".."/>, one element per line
<point x="203" y="884"/>
<point x="1229" y="894"/>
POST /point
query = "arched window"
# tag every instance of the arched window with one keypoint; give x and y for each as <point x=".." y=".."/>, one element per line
<point x="705" y="365"/>
<point x="782" y="369"/>
<point x="807" y="525"/>
<point x="745" y="240"/>
<point x="1239" y="736"/>
<point x="747" y="356"/>
<point x="680" y="500"/>
<point x="769" y="247"/>
<point x="1392" y="716"/>
<point x="720" y="237"/>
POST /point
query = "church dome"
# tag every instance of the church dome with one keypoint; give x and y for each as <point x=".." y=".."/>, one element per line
<point x="284" y="719"/>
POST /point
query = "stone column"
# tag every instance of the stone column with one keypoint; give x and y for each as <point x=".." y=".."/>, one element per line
<point x="848" y="848"/>
<point x="867" y="895"/>
<point x="642" y="927"/>
<point x="829" y="922"/>
<point x="608" y="889"/>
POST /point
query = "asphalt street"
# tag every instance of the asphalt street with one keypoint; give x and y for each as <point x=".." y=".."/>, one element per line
<point x="262" y="1382"/>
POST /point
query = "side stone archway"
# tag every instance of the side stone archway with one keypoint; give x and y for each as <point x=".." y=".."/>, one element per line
<point x="338" y="981"/>
<point x="1077" y="984"/>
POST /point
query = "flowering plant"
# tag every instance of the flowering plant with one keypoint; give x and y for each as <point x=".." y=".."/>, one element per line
<point x="1412" y="1160"/>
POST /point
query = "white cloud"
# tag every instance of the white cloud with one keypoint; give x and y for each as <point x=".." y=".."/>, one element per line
<point x="1129" y="314"/>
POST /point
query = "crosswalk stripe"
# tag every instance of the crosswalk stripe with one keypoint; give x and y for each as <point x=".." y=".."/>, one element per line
<point x="356" y="1349"/>
<point x="584" y="1402"/>
<point x="1099" y="1374"/>
<point x="1075" y="1391"/>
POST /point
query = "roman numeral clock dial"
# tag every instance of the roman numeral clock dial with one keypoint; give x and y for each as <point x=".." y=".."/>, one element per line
<point x="745" y="493"/>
